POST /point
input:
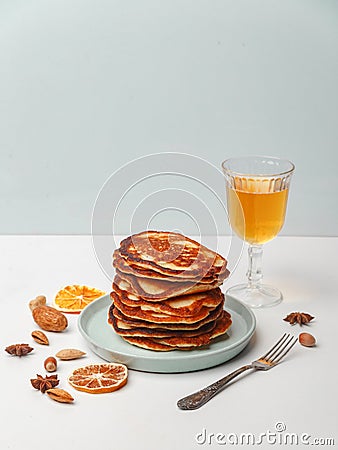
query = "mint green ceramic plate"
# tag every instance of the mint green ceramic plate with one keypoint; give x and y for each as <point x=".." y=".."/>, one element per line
<point x="108" y="345"/>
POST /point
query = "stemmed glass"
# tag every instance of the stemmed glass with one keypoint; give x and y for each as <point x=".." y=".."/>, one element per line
<point x="257" y="190"/>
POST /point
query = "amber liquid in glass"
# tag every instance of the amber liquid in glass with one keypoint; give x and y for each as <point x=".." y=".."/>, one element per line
<point x="256" y="217"/>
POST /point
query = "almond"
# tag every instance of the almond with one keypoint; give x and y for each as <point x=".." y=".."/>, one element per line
<point x="49" y="318"/>
<point x="69" y="353"/>
<point x="59" y="395"/>
<point x="40" y="337"/>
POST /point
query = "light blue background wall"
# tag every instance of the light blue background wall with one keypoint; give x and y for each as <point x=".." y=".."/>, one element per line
<point x="87" y="86"/>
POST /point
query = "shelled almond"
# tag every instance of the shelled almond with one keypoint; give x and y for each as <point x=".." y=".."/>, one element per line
<point x="69" y="353"/>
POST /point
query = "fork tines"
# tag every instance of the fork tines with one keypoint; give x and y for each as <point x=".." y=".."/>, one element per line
<point x="280" y="349"/>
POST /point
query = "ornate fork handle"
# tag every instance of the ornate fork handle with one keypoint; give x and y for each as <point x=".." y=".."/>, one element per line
<point x="199" y="398"/>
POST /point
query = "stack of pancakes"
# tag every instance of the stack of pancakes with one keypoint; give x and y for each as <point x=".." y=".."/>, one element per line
<point x="166" y="293"/>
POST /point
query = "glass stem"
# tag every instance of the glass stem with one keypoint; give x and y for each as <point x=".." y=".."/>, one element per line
<point x="254" y="273"/>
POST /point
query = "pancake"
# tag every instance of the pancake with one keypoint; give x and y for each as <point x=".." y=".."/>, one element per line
<point x="183" y="343"/>
<point x="129" y="267"/>
<point x="137" y="312"/>
<point x="171" y="254"/>
<point x="137" y="323"/>
<point x="124" y="329"/>
<point x="157" y="289"/>
<point x="183" y="306"/>
<point x="222" y="325"/>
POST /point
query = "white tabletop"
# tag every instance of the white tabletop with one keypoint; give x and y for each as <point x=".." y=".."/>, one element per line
<point x="301" y="392"/>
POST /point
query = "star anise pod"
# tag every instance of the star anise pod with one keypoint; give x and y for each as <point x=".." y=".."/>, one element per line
<point x="18" y="349"/>
<point x="44" y="383"/>
<point x="298" y="317"/>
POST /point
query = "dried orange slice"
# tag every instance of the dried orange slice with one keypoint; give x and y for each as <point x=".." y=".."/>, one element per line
<point x="99" y="378"/>
<point x="74" y="298"/>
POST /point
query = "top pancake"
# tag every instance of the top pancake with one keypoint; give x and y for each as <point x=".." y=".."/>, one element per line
<point x="172" y="255"/>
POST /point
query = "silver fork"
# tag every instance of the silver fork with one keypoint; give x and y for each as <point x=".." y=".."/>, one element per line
<point x="266" y="362"/>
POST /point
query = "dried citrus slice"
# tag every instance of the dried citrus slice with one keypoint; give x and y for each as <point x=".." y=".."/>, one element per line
<point x="74" y="298"/>
<point x="99" y="378"/>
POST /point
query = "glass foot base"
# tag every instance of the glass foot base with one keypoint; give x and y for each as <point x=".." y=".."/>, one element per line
<point x="259" y="297"/>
